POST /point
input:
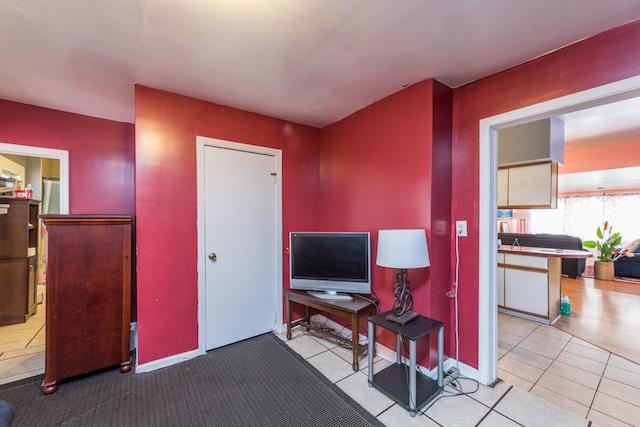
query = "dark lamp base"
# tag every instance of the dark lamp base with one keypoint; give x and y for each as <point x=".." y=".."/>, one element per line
<point x="403" y="318"/>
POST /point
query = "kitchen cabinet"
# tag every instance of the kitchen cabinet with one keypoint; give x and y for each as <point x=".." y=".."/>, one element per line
<point x="529" y="285"/>
<point x="527" y="291"/>
<point x="528" y="186"/>
<point x="18" y="259"/>
<point x="500" y="280"/>
<point x="529" y="281"/>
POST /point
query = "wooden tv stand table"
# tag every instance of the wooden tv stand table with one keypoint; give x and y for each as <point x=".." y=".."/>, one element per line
<point x="354" y="309"/>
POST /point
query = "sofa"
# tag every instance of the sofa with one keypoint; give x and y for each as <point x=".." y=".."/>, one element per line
<point x="570" y="267"/>
<point x="629" y="267"/>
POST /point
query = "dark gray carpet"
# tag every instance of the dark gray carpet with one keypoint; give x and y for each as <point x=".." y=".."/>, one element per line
<point x="257" y="382"/>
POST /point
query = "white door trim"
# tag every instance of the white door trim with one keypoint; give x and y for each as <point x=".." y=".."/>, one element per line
<point x="49" y="153"/>
<point x="201" y="143"/>
<point x="487" y="269"/>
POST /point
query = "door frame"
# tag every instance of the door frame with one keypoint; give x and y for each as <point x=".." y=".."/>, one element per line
<point x="488" y="193"/>
<point x="201" y="143"/>
<point x="48" y="153"/>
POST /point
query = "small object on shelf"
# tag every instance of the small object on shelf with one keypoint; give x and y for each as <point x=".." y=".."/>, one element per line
<point x="28" y="192"/>
<point x="403" y="318"/>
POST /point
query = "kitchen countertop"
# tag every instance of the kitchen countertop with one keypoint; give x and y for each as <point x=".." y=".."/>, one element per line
<point x="543" y="252"/>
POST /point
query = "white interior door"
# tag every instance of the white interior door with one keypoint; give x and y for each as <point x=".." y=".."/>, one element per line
<point x="241" y="230"/>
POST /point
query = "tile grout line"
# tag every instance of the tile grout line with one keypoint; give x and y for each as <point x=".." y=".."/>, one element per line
<point x="555" y="359"/>
<point x="493" y="409"/>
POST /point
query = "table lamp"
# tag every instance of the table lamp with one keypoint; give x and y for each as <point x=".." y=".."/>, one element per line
<point x="523" y="216"/>
<point x="402" y="249"/>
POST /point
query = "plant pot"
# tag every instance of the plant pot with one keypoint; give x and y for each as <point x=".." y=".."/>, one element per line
<point x="603" y="270"/>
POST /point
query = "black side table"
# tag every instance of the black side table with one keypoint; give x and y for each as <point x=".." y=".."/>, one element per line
<point x="392" y="381"/>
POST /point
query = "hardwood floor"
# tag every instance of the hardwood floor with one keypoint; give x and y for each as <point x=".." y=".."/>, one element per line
<point x="605" y="314"/>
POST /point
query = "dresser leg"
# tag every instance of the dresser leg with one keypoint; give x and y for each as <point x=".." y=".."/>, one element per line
<point x="125" y="366"/>
<point x="49" y="387"/>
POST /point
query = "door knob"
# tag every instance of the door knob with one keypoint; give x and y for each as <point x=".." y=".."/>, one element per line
<point x="213" y="256"/>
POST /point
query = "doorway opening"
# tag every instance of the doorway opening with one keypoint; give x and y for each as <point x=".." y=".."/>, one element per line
<point x="29" y="344"/>
<point x="488" y="140"/>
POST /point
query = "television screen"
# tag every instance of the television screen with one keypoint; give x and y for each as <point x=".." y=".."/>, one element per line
<point x="330" y="262"/>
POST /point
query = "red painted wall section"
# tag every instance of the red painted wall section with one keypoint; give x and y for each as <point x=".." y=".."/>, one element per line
<point x="101" y="154"/>
<point x="101" y="157"/>
<point x="377" y="172"/>
<point x="599" y="60"/>
<point x="166" y="128"/>
<point x="441" y="306"/>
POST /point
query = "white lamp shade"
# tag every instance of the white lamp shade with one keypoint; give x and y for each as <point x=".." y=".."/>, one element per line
<point x="402" y="249"/>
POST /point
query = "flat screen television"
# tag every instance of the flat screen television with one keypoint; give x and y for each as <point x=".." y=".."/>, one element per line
<point x="330" y="265"/>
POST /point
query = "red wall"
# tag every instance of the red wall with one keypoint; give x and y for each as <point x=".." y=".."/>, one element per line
<point x="101" y="157"/>
<point x="101" y="154"/>
<point x="166" y="128"/>
<point x="605" y="58"/>
<point x="385" y="166"/>
<point x="377" y="172"/>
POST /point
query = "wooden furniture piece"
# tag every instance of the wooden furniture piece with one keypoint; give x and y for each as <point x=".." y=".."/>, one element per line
<point x="353" y="309"/>
<point x="419" y="390"/>
<point x="88" y="295"/>
<point x="529" y="281"/>
<point x="18" y="259"/>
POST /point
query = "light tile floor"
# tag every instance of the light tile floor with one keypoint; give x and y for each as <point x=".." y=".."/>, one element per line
<point x="560" y="368"/>
<point x="549" y="379"/>
<point x="22" y="348"/>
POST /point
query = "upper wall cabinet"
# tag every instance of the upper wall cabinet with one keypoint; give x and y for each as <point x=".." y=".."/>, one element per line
<point x="528" y="186"/>
<point x="528" y="157"/>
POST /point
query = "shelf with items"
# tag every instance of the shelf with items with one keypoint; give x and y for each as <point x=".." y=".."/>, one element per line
<point x="352" y="309"/>
<point x="18" y="259"/>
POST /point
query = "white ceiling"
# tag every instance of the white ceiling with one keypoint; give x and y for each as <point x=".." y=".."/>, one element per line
<point x="602" y="180"/>
<point x="614" y="123"/>
<point x="609" y="124"/>
<point x="307" y="61"/>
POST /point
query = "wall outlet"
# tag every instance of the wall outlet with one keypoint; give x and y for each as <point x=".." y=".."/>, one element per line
<point x="461" y="228"/>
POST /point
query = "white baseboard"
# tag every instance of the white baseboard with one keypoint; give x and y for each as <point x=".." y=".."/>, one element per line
<point x="167" y="361"/>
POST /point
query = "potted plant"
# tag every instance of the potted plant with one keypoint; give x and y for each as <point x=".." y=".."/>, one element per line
<point x="606" y="245"/>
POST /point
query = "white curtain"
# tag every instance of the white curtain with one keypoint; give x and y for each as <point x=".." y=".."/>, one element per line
<point x="580" y="216"/>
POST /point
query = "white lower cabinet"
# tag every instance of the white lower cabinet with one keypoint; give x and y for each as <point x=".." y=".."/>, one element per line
<point x="529" y="286"/>
<point x="500" y="280"/>
<point x="501" y="286"/>
<point x="526" y="291"/>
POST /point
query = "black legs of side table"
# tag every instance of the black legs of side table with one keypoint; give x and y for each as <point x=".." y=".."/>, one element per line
<point x="413" y="404"/>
